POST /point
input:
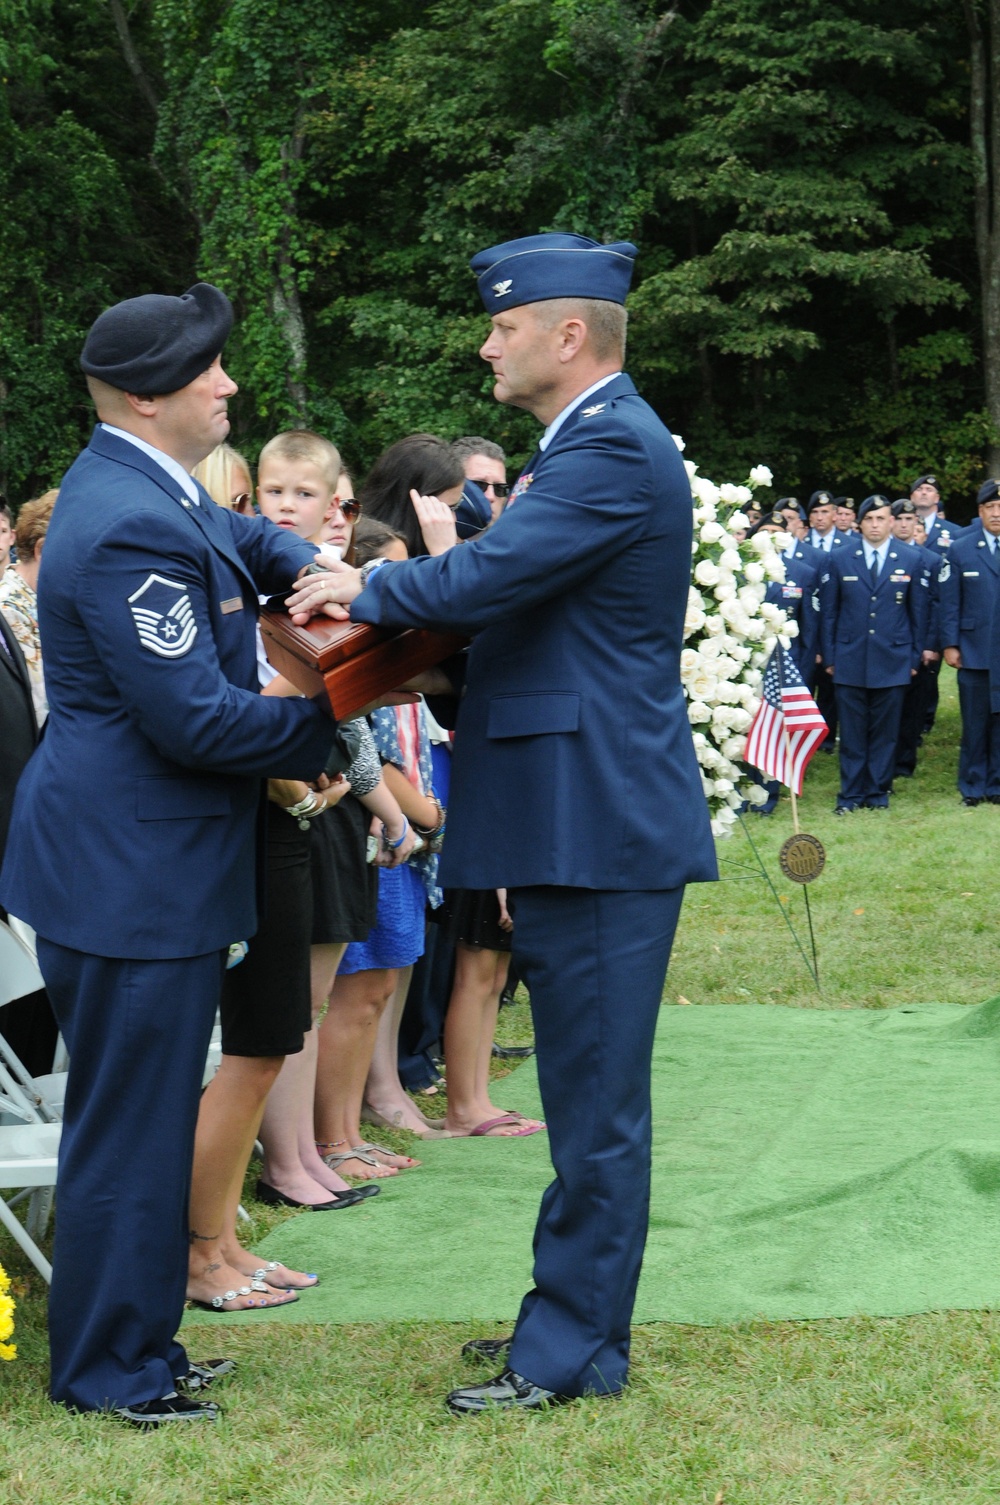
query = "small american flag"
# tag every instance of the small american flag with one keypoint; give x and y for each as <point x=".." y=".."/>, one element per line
<point x="786" y="706"/>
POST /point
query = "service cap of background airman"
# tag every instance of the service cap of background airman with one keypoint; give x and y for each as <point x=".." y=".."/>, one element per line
<point x="844" y="501"/>
<point x="157" y="344"/>
<point x="769" y="520"/>
<point x="820" y="499"/>
<point x="790" y="502"/>
<point x="538" y="267"/>
<point x="926" y="481"/>
<point x="987" y="491"/>
<point x="872" y="504"/>
<point x="903" y="507"/>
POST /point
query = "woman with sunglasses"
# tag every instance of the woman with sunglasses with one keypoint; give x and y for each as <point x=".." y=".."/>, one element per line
<point x="225" y="475"/>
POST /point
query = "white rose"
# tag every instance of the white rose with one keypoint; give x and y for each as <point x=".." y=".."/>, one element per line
<point x="739" y="720"/>
<point x="750" y="598"/>
<point x="724" y="786"/>
<point x="708" y="785"/>
<point x="730" y="559"/>
<point x="694" y="621"/>
<point x="760" y="476"/>
<point x="699" y="739"/>
<point x="680" y="445"/>
<point x="772" y="614"/>
<point x="721" y="716"/>
<point x="695" y="598"/>
<point x="702" y="685"/>
<point x="711" y="532"/>
<point x="689" y="662"/>
<point x="754" y="572"/>
<point x="734" y="747"/>
<point x="705" y="491"/>
<point x="790" y="630"/>
<point x="746" y="696"/>
<point x="755" y="630"/>
<point x="774" y="567"/>
<point x="732" y="612"/>
<point x="698" y="712"/>
<point x="726" y="667"/>
<point x="694" y="547"/>
<point x="706" y="573"/>
<point x="725" y="590"/>
<point x="734" y="799"/>
<point x="756" y="795"/>
<point x="711" y="648"/>
<point x="738" y="522"/>
<point x="690" y="469"/>
<point x="752" y="677"/>
<point x="714" y="625"/>
<point x="735" y="496"/>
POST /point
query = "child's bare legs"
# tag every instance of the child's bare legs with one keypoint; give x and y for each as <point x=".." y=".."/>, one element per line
<point x="384" y="1092"/>
<point x="469" y="1027"/>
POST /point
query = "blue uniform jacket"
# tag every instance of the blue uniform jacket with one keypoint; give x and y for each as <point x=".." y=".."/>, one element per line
<point x="874" y="637"/>
<point x="968" y="586"/>
<point x="573" y="762"/>
<point x="134" y="829"/>
<point x="838" y="539"/>
<point x="942" y="536"/>
<point x="799" y="598"/>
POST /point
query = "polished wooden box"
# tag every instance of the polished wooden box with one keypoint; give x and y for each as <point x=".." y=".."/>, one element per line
<point x="353" y="664"/>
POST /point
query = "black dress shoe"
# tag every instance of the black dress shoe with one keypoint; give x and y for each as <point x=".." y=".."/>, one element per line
<point x="272" y="1197"/>
<point x="489" y="1349"/>
<point x="971" y="799"/>
<point x="993" y="799"/>
<point x="507" y="1391"/>
<point x="513" y="1052"/>
<point x="147" y="1415"/>
<point x="200" y="1376"/>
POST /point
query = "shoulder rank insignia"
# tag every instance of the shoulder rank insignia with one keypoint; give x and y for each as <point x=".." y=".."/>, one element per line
<point x="592" y="412"/>
<point x="161" y="610"/>
<point x="500" y="289"/>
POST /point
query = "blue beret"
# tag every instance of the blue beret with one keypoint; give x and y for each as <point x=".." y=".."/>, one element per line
<point x="872" y="503"/>
<point x="157" y="344"/>
<point x="819" y="499"/>
<point x="473" y="512"/>
<point x="926" y="481"/>
<point x="987" y="491"/>
<point x="539" y="267"/>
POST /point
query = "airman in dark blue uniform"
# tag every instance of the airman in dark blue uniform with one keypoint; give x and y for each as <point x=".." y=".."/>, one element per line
<point x="573" y="705"/>
<point x="825" y="537"/>
<point x="969" y="585"/>
<point x="922" y="689"/>
<point x="874" y="608"/>
<point x="133" y="844"/>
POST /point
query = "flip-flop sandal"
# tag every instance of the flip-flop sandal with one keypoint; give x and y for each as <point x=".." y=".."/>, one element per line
<point x="374" y="1150"/>
<point x="482" y="1131"/>
<point x="218" y="1303"/>
<point x="523" y="1118"/>
<point x="275" y="1264"/>
<point x="335" y="1160"/>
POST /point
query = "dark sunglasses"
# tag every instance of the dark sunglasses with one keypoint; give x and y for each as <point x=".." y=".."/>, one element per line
<point x="349" y="507"/>
<point x="500" y="488"/>
<point x="243" y="503"/>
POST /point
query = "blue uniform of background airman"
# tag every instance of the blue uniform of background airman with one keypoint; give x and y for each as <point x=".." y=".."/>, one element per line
<point x="970" y="586"/>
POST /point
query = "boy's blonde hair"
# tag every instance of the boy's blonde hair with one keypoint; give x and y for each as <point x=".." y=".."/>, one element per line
<point x="300" y="444"/>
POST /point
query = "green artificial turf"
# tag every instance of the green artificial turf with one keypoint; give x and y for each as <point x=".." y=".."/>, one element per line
<point x="881" y="1411"/>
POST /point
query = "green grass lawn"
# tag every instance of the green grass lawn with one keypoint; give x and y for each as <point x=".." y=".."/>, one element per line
<point x="874" y="1411"/>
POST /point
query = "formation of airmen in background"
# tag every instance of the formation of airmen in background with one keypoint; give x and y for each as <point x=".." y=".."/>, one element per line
<point x="882" y="594"/>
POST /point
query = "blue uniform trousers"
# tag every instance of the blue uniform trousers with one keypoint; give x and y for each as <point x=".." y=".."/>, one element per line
<point x="594" y="962"/>
<point x="869" y="731"/>
<point x="917" y="707"/>
<point x="979" y="755"/>
<point x="137" y="1034"/>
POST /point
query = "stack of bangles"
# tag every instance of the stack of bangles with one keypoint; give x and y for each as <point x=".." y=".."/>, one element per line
<point x="433" y="836"/>
<point x="306" y="810"/>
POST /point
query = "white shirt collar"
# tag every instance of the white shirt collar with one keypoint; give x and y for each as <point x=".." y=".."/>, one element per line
<point x="560" y="418"/>
<point x="173" y="467"/>
<point x="823" y="541"/>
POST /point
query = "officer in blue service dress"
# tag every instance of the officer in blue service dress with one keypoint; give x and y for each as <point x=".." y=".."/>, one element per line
<point x="824" y="536"/>
<point x="873" y="622"/>
<point x="132" y="849"/>
<point x="574" y="782"/>
<point x="969" y="586"/>
<point x="922" y="689"/>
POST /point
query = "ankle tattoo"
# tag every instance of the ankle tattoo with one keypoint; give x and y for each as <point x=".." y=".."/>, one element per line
<point x="202" y="1238"/>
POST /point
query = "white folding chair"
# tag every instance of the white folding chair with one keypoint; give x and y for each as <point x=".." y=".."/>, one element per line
<point x="19" y="976"/>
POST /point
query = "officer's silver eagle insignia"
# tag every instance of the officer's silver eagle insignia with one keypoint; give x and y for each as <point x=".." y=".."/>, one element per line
<point x="500" y="289"/>
<point x="598" y="407"/>
<point x="161" y="610"/>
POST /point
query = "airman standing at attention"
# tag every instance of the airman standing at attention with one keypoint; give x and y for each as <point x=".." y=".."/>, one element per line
<point x="969" y="585"/>
<point x="922" y="688"/>
<point x="824" y="536"/>
<point x="874" y="605"/>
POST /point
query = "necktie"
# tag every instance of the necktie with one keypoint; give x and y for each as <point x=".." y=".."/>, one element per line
<point x="874" y="569"/>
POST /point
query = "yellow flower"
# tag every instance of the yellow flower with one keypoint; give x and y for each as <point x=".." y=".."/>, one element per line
<point x="7" y="1350"/>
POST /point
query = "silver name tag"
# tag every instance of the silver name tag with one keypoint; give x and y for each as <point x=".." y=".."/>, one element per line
<point x="235" y="603"/>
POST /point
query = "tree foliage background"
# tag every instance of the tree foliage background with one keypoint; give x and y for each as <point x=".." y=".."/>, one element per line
<point x="803" y="181"/>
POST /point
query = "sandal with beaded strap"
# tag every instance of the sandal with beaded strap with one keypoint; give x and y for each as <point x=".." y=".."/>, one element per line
<point x="218" y="1303"/>
<point x="275" y="1264"/>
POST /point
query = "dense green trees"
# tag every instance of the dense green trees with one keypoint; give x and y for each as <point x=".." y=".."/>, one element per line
<point x="800" y="179"/>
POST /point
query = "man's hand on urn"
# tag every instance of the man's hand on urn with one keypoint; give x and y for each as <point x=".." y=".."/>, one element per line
<point x="328" y="591"/>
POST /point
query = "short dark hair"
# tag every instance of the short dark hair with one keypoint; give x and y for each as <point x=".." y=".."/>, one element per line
<point x="421" y="462"/>
<point x="5" y="510"/>
<point x="471" y="444"/>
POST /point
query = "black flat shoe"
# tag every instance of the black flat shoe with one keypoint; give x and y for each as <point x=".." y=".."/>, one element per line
<point x="272" y="1197"/>
<point x="488" y="1349"/>
<point x="200" y="1376"/>
<point x="513" y="1052"/>
<point x="147" y="1415"/>
<point x="508" y="1391"/>
<point x="971" y="799"/>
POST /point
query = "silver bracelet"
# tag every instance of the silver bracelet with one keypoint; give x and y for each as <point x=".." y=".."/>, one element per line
<point x="306" y="808"/>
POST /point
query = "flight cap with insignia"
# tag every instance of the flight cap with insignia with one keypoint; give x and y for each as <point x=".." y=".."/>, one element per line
<point x="819" y="499"/>
<point x="872" y="504"/>
<point x="538" y="267"/>
<point x="156" y="344"/>
<point x="987" y="491"/>
<point x="473" y="512"/>
<point x="903" y="507"/>
<point x="926" y="481"/>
